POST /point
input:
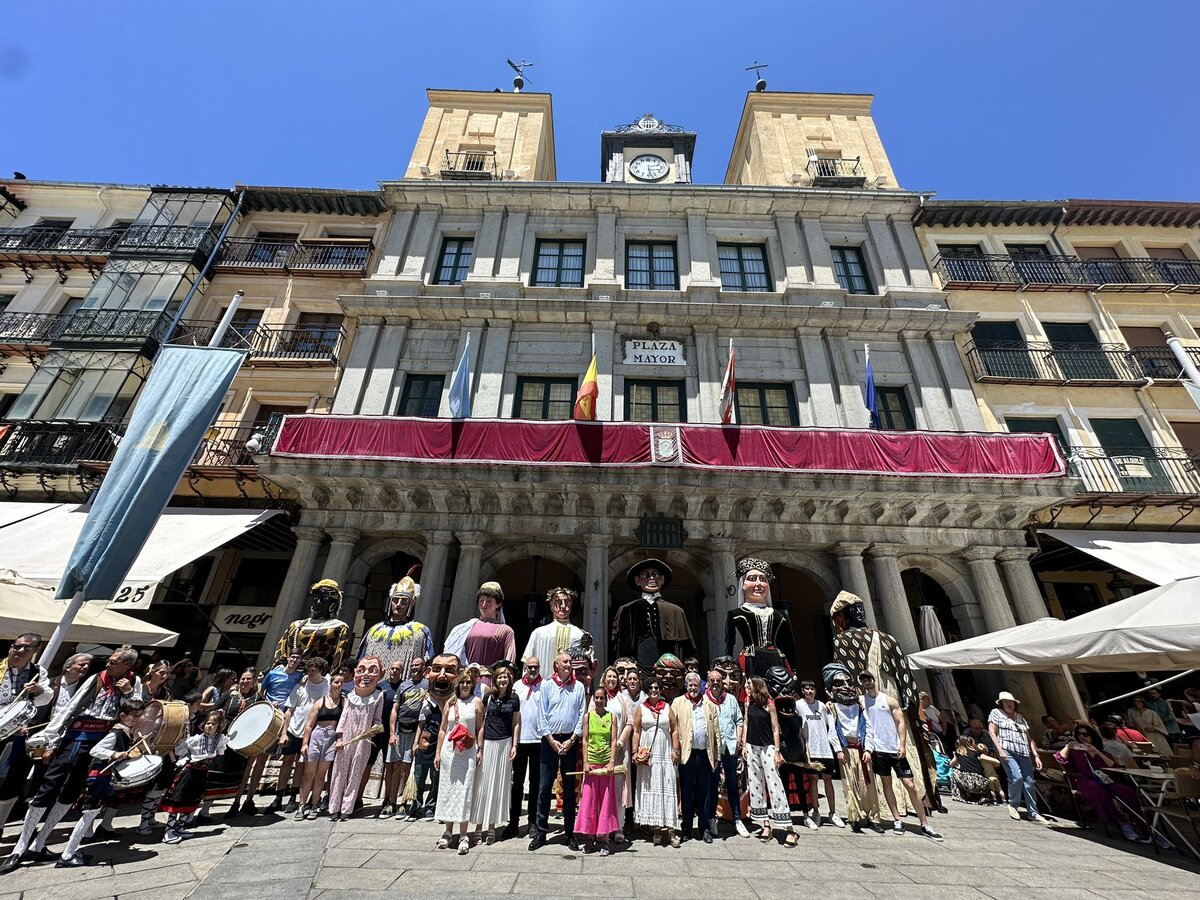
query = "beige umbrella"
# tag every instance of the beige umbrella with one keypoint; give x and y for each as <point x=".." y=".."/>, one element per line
<point x="26" y="606"/>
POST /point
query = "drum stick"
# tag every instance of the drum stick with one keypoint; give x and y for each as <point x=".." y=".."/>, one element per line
<point x="108" y="768"/>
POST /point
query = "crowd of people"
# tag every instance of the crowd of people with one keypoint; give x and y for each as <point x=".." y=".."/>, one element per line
<point x="478" y="738"/>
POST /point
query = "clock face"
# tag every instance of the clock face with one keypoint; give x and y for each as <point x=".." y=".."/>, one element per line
<point x="648" y="167"/>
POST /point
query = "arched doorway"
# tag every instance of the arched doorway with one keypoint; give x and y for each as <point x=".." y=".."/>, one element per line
<point x="799" y="594"/>
<point x="685" y="591"/>
<point x="922" y="589"/>
<point x="525" y="582"/>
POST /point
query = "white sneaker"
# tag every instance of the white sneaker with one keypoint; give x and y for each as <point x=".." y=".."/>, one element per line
<point x="741" y="828"/>
<point x="172" y="837"/>
<point x="810" y="824"/>
<point x="838" y="821"/>
<point x="897" y="827"/>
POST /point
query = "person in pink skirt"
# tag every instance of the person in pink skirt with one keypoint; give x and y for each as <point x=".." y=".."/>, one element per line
<point x="362" y="711"/>
<point x="598" y="802"/>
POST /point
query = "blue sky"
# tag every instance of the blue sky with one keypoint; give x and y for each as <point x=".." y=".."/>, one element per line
<point x="1016" y="100"/>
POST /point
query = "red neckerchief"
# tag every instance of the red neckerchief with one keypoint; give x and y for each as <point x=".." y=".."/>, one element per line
<point x="530" y="684"/>
<point x="563" y="684"/>
<point x="653" y="708"/>
<point x="699" y="699"/>
<point x="108" y="684"/>
<point x="715" y="701"/>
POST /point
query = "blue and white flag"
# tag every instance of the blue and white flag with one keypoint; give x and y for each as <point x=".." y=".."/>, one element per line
<point x="177" y="404"/>
<point x="872" y="397"/>
<point x="460" y="384"/>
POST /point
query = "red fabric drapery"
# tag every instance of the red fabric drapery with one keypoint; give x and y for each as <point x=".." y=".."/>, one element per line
<point x="627" y="444"/>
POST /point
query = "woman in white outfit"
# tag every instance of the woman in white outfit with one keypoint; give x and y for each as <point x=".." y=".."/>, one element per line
<point x="501" y="734"/>
<point x="457" y="758"/>
<point x="656" y="750"/>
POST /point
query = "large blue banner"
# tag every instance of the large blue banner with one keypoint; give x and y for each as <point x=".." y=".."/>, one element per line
<point x="178" y="402"/>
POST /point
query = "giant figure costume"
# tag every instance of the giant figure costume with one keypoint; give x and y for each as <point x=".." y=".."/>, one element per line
<point x="863" y="649"/>
<point x="649" y="626"/>
<point x="547" y="641"/>
<point x="322" y="633"/>
<point x="765" y="632"/>
<point x="399" y="637"/>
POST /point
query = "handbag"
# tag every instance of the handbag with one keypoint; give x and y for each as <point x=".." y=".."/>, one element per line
<point x="461" y="738"/>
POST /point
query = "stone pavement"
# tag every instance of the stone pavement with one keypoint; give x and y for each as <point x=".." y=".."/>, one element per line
<point x="986" y="855"/>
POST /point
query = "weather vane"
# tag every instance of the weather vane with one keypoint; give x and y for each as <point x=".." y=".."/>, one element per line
<point x="761" y="83"/>
<point x="519" y="68"/>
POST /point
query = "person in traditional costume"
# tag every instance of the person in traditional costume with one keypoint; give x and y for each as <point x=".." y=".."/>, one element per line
<point x="193" y="756"/>
<point x="363" y="710"/>
<point x="765" y="631"/>
<point x="25" y="682"/>
<point x="69" y="739"/>
<point x="649" y="626"/>
<point x="861" y="648"/>
<point x="399" y="637"/>
<point x="322" y="634"/>
<point x="548" y="641"/>
<point x="854" y="761"/>
<point x="443" y="676"/>
<point x="669" y="671"/>
<point x="101" y="793"/>
<point x="484" y="640"/>
<point x="781" y="685"/>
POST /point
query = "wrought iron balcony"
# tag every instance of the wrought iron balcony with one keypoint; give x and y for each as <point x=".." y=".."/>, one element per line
<point x="1053" y="273"/>
<point x="224" y="447"/>
<point x="338" y="256"/>
<point x="987" y="273"/>
<point x="45" y="247"/>
<point x="1136" y="470"/>
<point x="470" y="165"/>
<point x="123" y="327"/>
<point x="56" y="446"/>
<point x="1160" y="363"/>
<point x="834" y="172"/>
<point x="1033" y="362"/>
<point x="25" y="334"/>
<point x="303" y="345"/>
<point x="1145" y="274"/>
<point x="187" y="241"/>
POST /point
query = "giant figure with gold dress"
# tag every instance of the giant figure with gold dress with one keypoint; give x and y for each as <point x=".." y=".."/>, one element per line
<point x="322" y="634"/>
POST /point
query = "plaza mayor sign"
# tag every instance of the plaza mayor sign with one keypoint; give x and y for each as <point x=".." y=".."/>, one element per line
<point x="654" y="353"/>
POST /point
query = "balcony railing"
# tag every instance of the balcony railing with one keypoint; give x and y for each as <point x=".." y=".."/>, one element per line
<point x="1136" y="470"/>
<point x="1002" y="272"/>
<point x="224" y="446"/>
<point x="39" y="240"/>
<point x="470" y="165"/>
<point x="57" y="446"/>
<point x="167" y="240"/>
<point x="115" y="326"/>
<point x="291" y="345"/>
<point x="332" y="257"/>
<point x="24" y="332"/>
<point x="834" y="172"/>
<point x="1032" y="362"/>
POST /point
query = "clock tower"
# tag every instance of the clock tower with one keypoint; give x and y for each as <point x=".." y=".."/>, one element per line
<point x="647" y="152"/>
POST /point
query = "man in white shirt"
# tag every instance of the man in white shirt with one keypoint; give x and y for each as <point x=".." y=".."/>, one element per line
<point x="311" y="690"/>
<point x="823" y="746"/>
<point x="528" y="755"/>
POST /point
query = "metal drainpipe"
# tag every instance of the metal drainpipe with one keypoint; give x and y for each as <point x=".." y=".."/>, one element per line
<point x="203" y="269"/>
<point x="1184" y="358"/>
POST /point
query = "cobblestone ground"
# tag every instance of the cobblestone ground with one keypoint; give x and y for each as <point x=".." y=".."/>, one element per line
<point x="985" y="855"/>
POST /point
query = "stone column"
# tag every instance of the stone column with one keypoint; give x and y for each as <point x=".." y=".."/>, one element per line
<point x="295" y="585"/>
<point x="474" y="329"/>
<point x="391" y="253"/>
<point x="789" y="245"/>
<point x="595" y="592"/>
<point x="514" y="239"/>
<point x="421" y="245"/>
<point x="893" y="603"/>
<point x="1030" y="606"/>
<point x="337" y="567"/>
<point x="487" y="243"/>
<point x="358" y="365"/>
<point x="700" y="263"/>
<point x="889" y="255"/>
<point x="493" y="360"/>
<point x="819" y="253"/>
<point x="725" y="586"/>
<point x="709" y="371"/>
<point x="962" y="396"/>
<point x="910" y="249"/>
<point x="854" y="575"/>
<point x="851" y="383"/>
<point x="605" y="336"/>
<point x="376" y="398"/>
<point x="938" y="415"/>
<point x="433" y="583"/>
<point x="466" y="577"/>
<point x="606" y="246"/>
<point x="822" y="390"/>
<point x="997" y="614"/>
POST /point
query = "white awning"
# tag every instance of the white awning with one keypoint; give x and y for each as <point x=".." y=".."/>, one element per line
<point x="38" y="547"/>
<point x="981" y="651"/>
<point x="1157" y="556"/>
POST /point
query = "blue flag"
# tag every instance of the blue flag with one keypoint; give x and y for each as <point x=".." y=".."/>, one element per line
<point x="460" y="384"/>
<point x="178" y="402"/>
<point x="872" y="397"/>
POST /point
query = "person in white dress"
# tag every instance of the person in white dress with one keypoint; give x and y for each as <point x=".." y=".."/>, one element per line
<point x="460" y="751"/>
<point x="656" y="750"/>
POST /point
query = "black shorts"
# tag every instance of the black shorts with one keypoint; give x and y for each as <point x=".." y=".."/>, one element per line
<point x="292" y="745"/>
<point x="378" y="745"/>
<point x="885" y="764"/>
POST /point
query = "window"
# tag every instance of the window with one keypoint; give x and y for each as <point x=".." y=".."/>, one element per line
<point x="762" y="403"/>
<point x="851" y="270"/>
<point x="273" y="412"/>
<point x="651" y="266"/>
<point x="743" y="267"/>
<point x="5" y="300"/>
<point x="6" y="403"/>
<point x="1078" y="353"/>
<point x="559" y="264"/>
<point x="1152" y="355"/>
<point x="960" y="251"/>
<point x="894" y="411"/>
<point x="1034" y="424"/>
<point x="545" y="398"/>
<point x="422" y="395"/>
<point x="1003" y="350"/>
<point x="1129" y="456"/>
<point x="317" y="333"/>
<point x="654" y="401"/>
<point x="455" y="261"/>
<point x="85" y="387"/>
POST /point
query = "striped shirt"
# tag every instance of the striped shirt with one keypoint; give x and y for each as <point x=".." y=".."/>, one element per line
<point x="1012" y="733"/>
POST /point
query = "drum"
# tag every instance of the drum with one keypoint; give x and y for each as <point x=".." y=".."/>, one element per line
<point x="256" y="730"/>
<point x="14" y="716"/>
<point x="35" y="749"/>
<point x="134" y="773"/>
<point x="164" y="724"/>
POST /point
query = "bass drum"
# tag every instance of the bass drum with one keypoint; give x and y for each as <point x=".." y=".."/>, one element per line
<point x="256" y="730"/>
<point x="164" y="724"/>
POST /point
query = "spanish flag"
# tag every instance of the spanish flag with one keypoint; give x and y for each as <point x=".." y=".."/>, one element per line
<point x="585" y="400"/>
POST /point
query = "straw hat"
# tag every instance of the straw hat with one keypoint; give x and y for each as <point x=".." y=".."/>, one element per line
<point x="1005" y="695"/>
